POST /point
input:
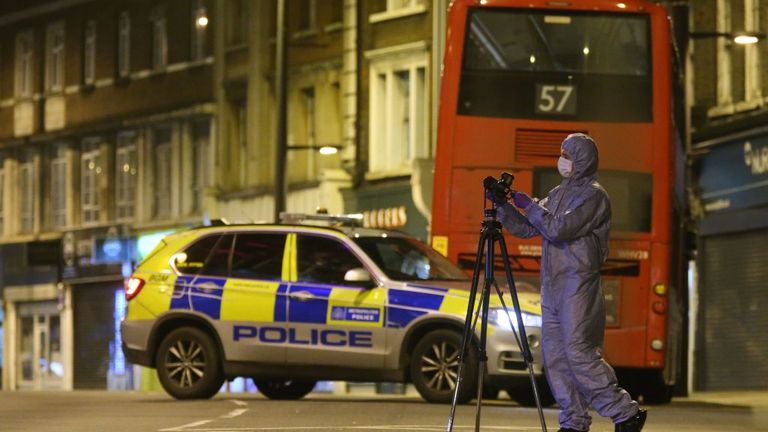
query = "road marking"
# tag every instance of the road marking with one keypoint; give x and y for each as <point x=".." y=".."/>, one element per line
<point x="184" y="427"/>
<point x="234" y="413"/>
<point x="424" y="428"/>
<point x="239" y="402"/>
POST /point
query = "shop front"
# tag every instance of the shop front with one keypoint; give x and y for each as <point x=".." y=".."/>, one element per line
<point x="388" y="205"/>
<point x="731" y="345"/>
<point x="36" y="336"/>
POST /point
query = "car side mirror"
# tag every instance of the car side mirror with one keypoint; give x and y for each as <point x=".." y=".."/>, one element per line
<point x="358" y="275"/>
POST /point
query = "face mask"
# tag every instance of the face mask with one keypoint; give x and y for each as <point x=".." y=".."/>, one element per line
<point x="565" y="167"/>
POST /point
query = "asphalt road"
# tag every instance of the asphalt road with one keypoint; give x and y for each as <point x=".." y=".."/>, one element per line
<point x="156" y="412"/>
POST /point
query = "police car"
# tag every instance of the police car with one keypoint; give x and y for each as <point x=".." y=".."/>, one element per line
<point x="290" y="304"/>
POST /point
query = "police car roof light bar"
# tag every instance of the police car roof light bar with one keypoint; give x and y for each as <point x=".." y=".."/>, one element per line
<point x="352" y="220"/>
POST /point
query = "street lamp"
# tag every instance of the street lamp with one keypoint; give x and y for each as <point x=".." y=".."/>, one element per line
<point x="739" y="37"/>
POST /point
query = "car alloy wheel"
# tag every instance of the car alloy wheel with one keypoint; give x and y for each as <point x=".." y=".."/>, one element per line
<point x="434" y="367"/>
<point x="185" y="363"/>
<point x="188" y="364"/>
<point x="440" y="365"/>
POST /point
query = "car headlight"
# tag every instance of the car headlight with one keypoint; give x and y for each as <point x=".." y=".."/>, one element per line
<point x="501" y="318"/>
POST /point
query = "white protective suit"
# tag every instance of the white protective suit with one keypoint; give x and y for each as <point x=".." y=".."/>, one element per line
<point x="574" y="221"/>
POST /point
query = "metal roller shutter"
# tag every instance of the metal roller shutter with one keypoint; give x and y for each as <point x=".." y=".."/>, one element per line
<point x="732" y="339"/>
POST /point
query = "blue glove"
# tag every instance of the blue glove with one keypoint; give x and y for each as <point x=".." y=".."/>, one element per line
<point x="521" y="199"/>
<point x="496" y="198"/>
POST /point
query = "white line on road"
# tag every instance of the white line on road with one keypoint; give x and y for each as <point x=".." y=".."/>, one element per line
<point x="184" y="427"/>
<point x="234" y="413"/>
<point x="424" y="428"/>
<point x="239" y="402"/>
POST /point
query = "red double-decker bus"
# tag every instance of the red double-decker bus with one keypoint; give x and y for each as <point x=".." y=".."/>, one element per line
<point x="520" y="75"/>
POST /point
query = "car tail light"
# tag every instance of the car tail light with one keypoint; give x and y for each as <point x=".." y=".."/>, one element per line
<point x="133" y="287"/>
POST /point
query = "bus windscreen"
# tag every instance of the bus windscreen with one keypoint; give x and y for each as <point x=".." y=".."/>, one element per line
<point x="533" y="64"/>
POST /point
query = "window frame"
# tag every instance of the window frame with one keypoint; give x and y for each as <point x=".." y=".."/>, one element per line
<point x="124" y="44"/>
<point x="159" y="49"/>
<point x="55" y="57"/>
<point x="3" y="179"/>
<point x="162" y="178"/>
<point x="90" y="178"/>
<point x="393" y="160"/>
<point x="89" y="53"/>
<point x="279" y="253"/>
<point x="27" y="196"/>
<point x="126" y="181"/>
<point x="25" y="53"/>
<point x="198" y="43"/>
<point x="59" y="167"/>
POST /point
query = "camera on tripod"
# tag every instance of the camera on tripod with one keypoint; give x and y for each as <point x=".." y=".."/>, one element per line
<point x="497" y="190"/>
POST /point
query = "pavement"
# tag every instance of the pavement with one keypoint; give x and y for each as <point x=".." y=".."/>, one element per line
<point x="756" y="400"/>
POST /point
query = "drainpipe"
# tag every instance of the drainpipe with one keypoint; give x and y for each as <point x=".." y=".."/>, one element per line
<point x="281" y="127"/>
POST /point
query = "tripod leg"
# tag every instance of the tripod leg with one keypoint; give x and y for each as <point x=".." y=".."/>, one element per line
<point x="468" y="325"/>
<point x="523" y="340"/>
<point x="482" y="359"/>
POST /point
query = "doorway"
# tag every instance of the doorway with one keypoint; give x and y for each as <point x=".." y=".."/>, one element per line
<point x="40" y="364"/>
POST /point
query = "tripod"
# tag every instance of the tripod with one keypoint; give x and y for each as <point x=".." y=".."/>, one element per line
<point x="490" y="234"/>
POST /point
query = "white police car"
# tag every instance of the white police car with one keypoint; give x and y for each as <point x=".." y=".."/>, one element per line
<point x="290" y="304"/>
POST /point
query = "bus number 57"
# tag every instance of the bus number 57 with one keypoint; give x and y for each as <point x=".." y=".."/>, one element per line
<point x="555" y="99"/>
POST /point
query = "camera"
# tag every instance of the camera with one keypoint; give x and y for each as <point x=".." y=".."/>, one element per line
<point x="497" y="190"/>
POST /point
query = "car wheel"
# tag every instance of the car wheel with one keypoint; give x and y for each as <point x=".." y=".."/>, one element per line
<point x="188" y="364"/>
<point x="284" y="389"/>
<point x="434" y="368"/>
<point x="523" y="394"/>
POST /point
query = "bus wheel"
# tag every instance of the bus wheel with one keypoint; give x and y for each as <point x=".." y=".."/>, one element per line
<point x="523" y="394"/>
<point x="656" y="391"/>
<point x="188" y="364"/>
<point x="284" y="389"/>
<point x="434" y="368"/>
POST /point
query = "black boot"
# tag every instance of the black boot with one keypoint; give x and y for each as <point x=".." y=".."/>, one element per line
<point x="633" y="424"/>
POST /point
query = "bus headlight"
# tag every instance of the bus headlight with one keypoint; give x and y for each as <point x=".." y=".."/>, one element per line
<point x="501" y="318"/>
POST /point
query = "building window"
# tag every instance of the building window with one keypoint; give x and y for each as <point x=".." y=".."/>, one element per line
<point x="24" y="57"/>
<point x="307" y="15"/>
<point x="242" y="133"/>
<point x="54" y="70"/>
<point x="59" y="186"/>
<point x="89" y="53"/>
<point x="27" y="192"/>
<point x="159" y="41"/>
<point x="336" y="11"/>
<point x="393" y="5"/>
<point x="201" y="135"/>
<point x="124" y="44"/>
<point x="161" y="138"/>
<point x="90" y="177"/>
<point x="2" y="194"/>
<point x="199" y="30"/>
<point x="126" y="174"/>
<point x="308" y="96"/>
<point x="399" y="130"/>
<point x="237" y="22"/>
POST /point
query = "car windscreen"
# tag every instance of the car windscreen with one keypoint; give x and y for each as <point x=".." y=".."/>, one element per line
<point x="407" y="259"/>
<point x="535" y="64"/>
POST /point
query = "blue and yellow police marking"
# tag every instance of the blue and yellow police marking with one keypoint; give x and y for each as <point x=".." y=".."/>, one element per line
<point x="290" y="273"/>
<point x="357" y="307"/>
<point x="248" y="300"/>
<point x="154" y="298"/>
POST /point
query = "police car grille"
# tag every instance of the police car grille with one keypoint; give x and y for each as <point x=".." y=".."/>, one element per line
<point x="511" y="360"/>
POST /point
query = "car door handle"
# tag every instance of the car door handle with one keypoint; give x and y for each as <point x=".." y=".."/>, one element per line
<point x="302" y="295"/>
<point x="206" y="286"/>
